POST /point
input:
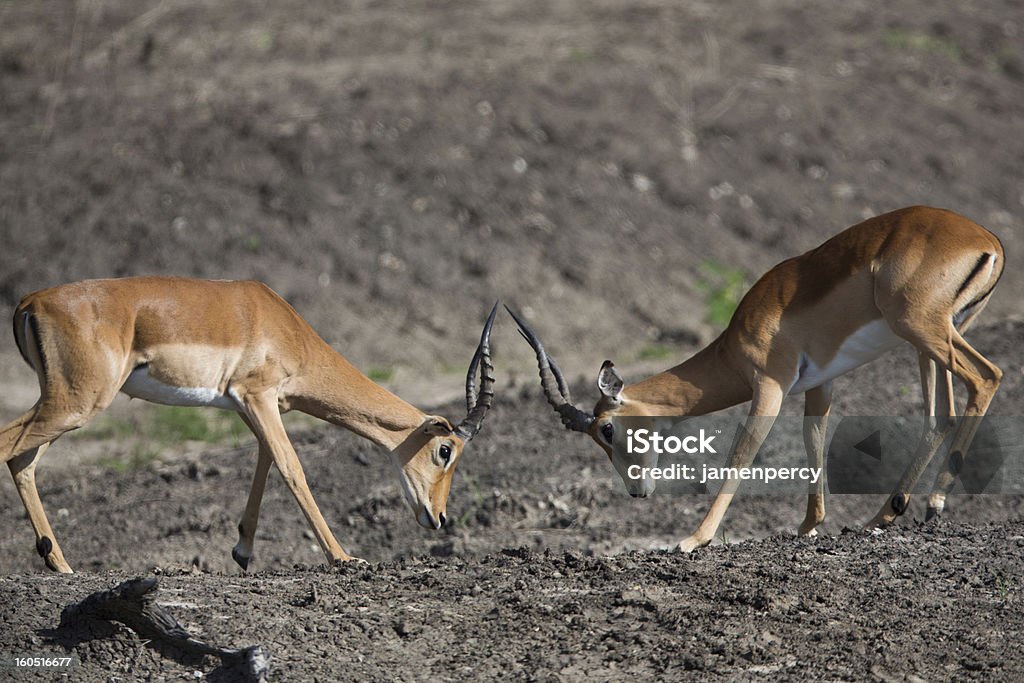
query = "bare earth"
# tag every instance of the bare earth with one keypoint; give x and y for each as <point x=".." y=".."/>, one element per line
<point x="392" y="168"/>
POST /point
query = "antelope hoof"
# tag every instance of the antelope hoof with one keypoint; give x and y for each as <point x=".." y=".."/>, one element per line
<point x="809" y="533"/>
<point x="689" y="544"/>
<point x="936" y="503"/>
<point x="899" y="503"/>
<point x="54" y="560"/>
<point x="881" y="521"/>
<point x="341" y="561"/>
<point x="240" y="559"/>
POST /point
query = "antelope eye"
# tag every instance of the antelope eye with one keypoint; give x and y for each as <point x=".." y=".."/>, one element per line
<point x="608" y="431"/>
<point x="445" y="452"/>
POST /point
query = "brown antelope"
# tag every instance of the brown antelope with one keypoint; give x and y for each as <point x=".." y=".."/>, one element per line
<point x="231" y="345"/>
<point x="918" y="274"/>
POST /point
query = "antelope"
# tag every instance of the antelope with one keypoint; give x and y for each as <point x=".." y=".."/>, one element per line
<point x="234" y="345"/>
<point x="919" y="274"/>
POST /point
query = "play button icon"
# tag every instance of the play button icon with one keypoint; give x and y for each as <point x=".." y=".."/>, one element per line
<point x="872" y="445"/>
<point x="856" y="463"/>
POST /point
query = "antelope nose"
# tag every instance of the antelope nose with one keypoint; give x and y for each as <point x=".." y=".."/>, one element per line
<point x="441" y="518"/>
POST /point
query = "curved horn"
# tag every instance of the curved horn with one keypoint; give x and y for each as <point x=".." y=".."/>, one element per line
<point x="478" y="402"/>
<point x="551" y="380"/>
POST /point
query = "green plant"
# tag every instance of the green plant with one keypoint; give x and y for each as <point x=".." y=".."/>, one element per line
<point x="380" y="374"/>
<point x="167" y="424"/>
<point x="263" y="40"/>
<point x="106" y="427"/>
<point x="1001" y="585"/>
<point x="159" y="427"/>
<point x="175" y="423"/>
<point x="723" y="287"/>
<point x="655" y="352"/>
<point x="141" y="455"/>
<point x="452" y="369"/>
<point x="902" y="39"/>
<point x="293" y="421"/>
<point x="253" y="243"/>
<point x="579" y="54"/>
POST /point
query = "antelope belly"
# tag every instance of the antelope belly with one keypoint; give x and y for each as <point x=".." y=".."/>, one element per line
<point x="866" y="344"/>
<point x="140" y="384"/>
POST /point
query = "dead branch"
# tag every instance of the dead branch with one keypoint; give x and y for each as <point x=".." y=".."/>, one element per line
<point x="133" y="603"/>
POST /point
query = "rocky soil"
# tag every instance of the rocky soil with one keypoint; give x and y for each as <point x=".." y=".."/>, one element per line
<point x="615" y="169"/>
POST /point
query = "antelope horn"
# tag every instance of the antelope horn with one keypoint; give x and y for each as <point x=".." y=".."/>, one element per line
<point x="479" y="400"/>
<point x="551" y="380"/>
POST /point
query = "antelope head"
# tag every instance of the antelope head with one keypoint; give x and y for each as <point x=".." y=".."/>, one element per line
<point x="426" y="459"/>
<point x="597" y="424"/>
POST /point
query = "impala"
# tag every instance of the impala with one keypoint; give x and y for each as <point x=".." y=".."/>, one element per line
<point x="231" y="345"/>
<point x="918" y="274"/>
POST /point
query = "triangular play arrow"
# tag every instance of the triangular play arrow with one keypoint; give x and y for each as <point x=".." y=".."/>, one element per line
<point x="872" y="446"/>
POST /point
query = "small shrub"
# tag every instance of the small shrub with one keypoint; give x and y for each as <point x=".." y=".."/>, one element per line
<point x="723" y="288"/>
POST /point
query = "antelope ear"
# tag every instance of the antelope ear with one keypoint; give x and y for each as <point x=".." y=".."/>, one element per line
<point x="609" y="382"/>
<point x="437" y="426"/>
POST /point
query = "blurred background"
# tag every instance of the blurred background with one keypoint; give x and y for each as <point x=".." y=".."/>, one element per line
<point x="620" y="171"/>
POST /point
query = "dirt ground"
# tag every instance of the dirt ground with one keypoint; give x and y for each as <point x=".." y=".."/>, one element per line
<point x="391" y="169"/>
<point x="547" y="571"/>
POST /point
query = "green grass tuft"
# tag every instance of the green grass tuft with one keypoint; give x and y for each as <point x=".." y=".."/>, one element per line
<point x="253" y="243"/>
<point x="105" y="427"/>
<point x="723" y="288"/>
<point x="656" y="352"/>
<point x="380" y="374"/>
<point x="158" y="427"/>
<point x="143" y="453"/>
<point x="901" y="39"/>
<point x="175" y="423"/>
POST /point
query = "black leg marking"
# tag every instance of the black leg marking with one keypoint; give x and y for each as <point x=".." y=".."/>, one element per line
<point x="241" y="529"/>
<point x="956" y="463"/>
<point x="899" y="503"/>
<point x="241" y="560"/>
<point x="44" y="546"/>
